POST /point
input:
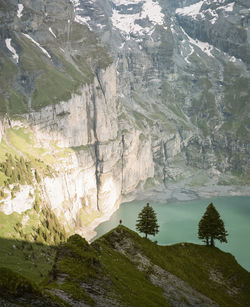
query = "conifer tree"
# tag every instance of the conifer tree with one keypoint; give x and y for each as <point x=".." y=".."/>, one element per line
<point x="211" y="227"/>
<point x="38" y="178"/>
<point x="147" y="221"/>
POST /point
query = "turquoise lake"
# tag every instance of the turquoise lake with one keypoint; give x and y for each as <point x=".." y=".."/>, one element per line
<point x="179" y="222"/>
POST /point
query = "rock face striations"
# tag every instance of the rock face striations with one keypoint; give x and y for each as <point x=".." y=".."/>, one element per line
<point x="108" y="97"/>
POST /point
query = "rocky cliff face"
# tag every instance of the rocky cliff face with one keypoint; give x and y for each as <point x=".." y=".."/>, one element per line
<point x="99" y="164"/>
<point x="186" y="72"/>
<point x="116" y="96"/>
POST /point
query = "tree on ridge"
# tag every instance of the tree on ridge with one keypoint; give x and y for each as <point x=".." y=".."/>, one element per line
<point x="147" y="221"/>
<point x="211" y="227"/>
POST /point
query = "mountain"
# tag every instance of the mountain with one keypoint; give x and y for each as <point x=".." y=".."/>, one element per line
<point x="102" y="99"/>
<point x="123" y="269"/>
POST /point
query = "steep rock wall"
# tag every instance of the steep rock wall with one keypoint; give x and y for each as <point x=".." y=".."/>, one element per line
<point x="101" y="164"/>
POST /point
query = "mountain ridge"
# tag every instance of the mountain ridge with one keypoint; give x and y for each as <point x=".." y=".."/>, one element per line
<point x="116" y="269"/>
<point x="108" y="98"/>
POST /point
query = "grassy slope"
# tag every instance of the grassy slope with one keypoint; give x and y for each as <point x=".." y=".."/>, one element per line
<point x="49" y="81"/>
<point x="101" y="264"/>
<point x="101" y="267"/>
<point x="31" y="260"/>
<point x="17" y="290"/>
<point x="22" y="142"/>
<point x="99" y="272"/>
<point x="196" y="265"/>
<point x="27" y="242"/>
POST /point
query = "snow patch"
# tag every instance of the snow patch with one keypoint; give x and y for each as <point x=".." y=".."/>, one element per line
<point x="100" y="26"/>
<point x="20" y="10"/>
<point x="173" y="29"/>
<point x="233" y="59"/>
<point x="229" y="7"/>
<point x="205" y="47"/>
<point x="191" y="10"/>
<point x="76" y="3"/>
<point x="152" y="10"/>
<point x="122" y="45"/>
<point x="190" y="53"/>
<point x="128" y="23"/>
<point x="83" y="20"/>
<point x="38" y="45"/>
<point x="51" y="31"/>
<point x="126" y="2"/>
<point x="195" y="12"/>
<point x="78" y="18"/>
<point x="12" y="49"/>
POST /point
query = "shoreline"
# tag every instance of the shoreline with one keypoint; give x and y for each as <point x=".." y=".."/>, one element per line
<point x="179" y="192"/>
<point x="171" y="193"/>
<point x="89" y="232"/>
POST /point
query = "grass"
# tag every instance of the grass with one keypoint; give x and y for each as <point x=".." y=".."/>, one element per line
<point x="194" y="264"/>
<point x="8" y="223"/>
<point x="41" y="158"/>
<point x="15" y="100"/>
<point x="18" y="250"/>
<point x="93" y="49"/>
<point x="52" y="87"/>
<point x="24" y="140"/>
<point x="139" y="118"/>
<point x="82" y="262"/>
<point x="15" y="283"/>
<point x="31" y="260"/>
<point x="51" y="84"/>
<point x="131" y="286"/>
<point x="78" y="262"/>
<point x="80" y="148"/>
<point x="210" y="271"/>
<point x="76" y="292"/>
<point x="50" y="80"/>
<point x="3" y="179"/>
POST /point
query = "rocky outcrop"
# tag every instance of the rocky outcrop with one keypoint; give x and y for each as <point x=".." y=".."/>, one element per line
<point x="22" y="201"/>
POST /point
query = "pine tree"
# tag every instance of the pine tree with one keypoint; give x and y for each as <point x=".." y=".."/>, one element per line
<point x="211" y="227"/>
<point x="8" y="171"/>
<point x="147" y="221"/>
<point x="38" y="178"/>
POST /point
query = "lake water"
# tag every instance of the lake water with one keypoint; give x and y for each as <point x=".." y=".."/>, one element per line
<point x="179" y="222"/>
